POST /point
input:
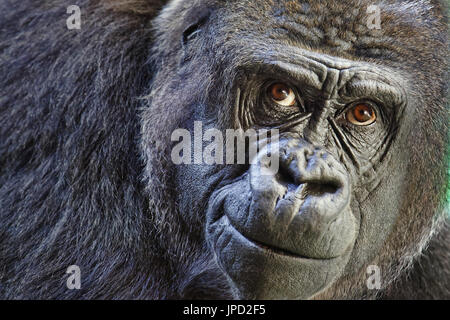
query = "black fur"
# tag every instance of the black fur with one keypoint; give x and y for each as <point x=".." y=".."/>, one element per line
<point x="70" y="184"/>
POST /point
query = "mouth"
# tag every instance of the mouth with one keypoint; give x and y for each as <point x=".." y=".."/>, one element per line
<point x="229" y="231"/>
<point x="274" y="250"/>
<point x="279" y="251"/>
<point x="260" y="271"/>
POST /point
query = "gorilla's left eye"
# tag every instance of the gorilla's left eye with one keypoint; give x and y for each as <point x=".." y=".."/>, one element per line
<point x="361" y="114"/>
<point x="282" y="94"/>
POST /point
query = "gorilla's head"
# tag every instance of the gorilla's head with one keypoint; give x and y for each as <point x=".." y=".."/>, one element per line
<point x="361" y="150"/>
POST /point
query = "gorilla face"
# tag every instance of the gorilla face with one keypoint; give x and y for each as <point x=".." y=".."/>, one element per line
<point x="289" y="234"/>
<point x="342" y="148"/>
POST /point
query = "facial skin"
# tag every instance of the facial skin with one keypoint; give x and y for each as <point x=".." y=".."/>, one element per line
<point x="344" y="118"/>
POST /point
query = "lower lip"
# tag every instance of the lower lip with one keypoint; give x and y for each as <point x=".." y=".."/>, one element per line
<point x="263" y="248"/>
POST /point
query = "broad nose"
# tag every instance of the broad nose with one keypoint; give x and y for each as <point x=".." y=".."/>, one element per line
<point x="304" y="206"/>
<point x="315" y="178"/>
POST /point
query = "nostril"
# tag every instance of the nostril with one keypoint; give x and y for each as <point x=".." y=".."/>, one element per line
<point x="311" y="186"/>
<point x="286" y="179"/>
<point x="319" y="189"/>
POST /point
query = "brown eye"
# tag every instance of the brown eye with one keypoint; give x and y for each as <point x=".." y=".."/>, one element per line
<point x="282" y="94"/>
<point x="361" y="114"/>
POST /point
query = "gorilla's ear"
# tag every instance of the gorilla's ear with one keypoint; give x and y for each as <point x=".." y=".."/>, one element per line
<point x="194" y="25"/>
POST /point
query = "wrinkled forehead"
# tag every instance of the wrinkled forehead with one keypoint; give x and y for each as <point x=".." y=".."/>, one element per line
<point x="320" y="14"/>
<point x="385" y="32"/>
<point x="351" y="28"/>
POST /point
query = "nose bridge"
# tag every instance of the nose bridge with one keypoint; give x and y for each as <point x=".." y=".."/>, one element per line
<point x="317" y="129"/>
<point x="304" y="163"/>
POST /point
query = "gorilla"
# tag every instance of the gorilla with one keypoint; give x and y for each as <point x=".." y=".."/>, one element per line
<point x="362" y="147"/>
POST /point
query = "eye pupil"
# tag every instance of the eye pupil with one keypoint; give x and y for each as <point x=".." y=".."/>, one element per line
<point x="362" y="113"/>
<point x="280" y="92"/>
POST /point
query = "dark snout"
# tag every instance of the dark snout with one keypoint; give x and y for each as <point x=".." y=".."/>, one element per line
<point x="302" y="209"/>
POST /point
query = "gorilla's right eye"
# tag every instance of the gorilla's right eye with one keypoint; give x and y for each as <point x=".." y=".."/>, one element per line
<point x="282" y="94"/>
<point x="361" y="114"/>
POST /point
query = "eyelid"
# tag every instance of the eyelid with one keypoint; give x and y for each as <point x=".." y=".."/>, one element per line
<point x="309" y="77"/>
<point x="378" y="91"/>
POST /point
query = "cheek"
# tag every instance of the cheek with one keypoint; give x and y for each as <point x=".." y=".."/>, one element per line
<point x="194" y="185"/>
<point x="368" y="145"/>
<point x="378" y="210"/>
